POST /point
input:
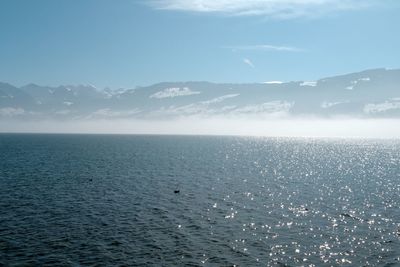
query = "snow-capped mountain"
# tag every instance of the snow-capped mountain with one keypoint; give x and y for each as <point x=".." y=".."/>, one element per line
<point x="371" y="94"/>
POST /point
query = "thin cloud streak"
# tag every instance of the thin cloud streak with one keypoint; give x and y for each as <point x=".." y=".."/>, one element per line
<point x="248" y="62"/>
<point x="265" y="47"/>
<point x="280" y="9"/>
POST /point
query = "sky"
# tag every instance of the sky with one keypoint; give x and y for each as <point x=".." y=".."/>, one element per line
<point x="128" y="43"/>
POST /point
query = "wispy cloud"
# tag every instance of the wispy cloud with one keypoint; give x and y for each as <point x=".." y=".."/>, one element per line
<point x="264" y="47"/>
<point x="248" y="62"/>
<point x="283" y="9"/>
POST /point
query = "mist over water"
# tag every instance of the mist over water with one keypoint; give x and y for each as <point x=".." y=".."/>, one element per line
<point x="250" y="126"/>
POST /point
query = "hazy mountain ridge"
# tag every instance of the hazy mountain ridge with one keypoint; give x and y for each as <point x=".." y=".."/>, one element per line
<point x="370" y="94"/>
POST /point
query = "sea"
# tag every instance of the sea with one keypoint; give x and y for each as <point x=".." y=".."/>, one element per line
<point x="138" y="200"/>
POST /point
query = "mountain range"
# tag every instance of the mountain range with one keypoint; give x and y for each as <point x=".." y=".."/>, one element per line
<point x="367" y="94"/>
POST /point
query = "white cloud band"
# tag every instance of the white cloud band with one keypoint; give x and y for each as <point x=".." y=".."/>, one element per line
<point x="264" y="47"/>
<point x="271" y="8"/>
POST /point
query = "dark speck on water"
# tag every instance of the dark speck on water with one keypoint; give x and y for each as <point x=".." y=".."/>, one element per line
<point x="247" y="201"/>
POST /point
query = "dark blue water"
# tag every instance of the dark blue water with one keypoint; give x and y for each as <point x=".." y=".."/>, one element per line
<point x="97" y="200"/>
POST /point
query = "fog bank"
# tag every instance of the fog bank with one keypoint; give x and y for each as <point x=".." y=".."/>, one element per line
<point x="347" y="128"/>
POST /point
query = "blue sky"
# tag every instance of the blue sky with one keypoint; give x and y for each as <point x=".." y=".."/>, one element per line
<point x="127" y="43"/>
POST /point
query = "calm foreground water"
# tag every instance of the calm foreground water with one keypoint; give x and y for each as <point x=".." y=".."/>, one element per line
<point x="79" y="200"/>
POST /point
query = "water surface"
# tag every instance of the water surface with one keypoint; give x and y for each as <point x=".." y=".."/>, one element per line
<point x="108" y="200"/>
